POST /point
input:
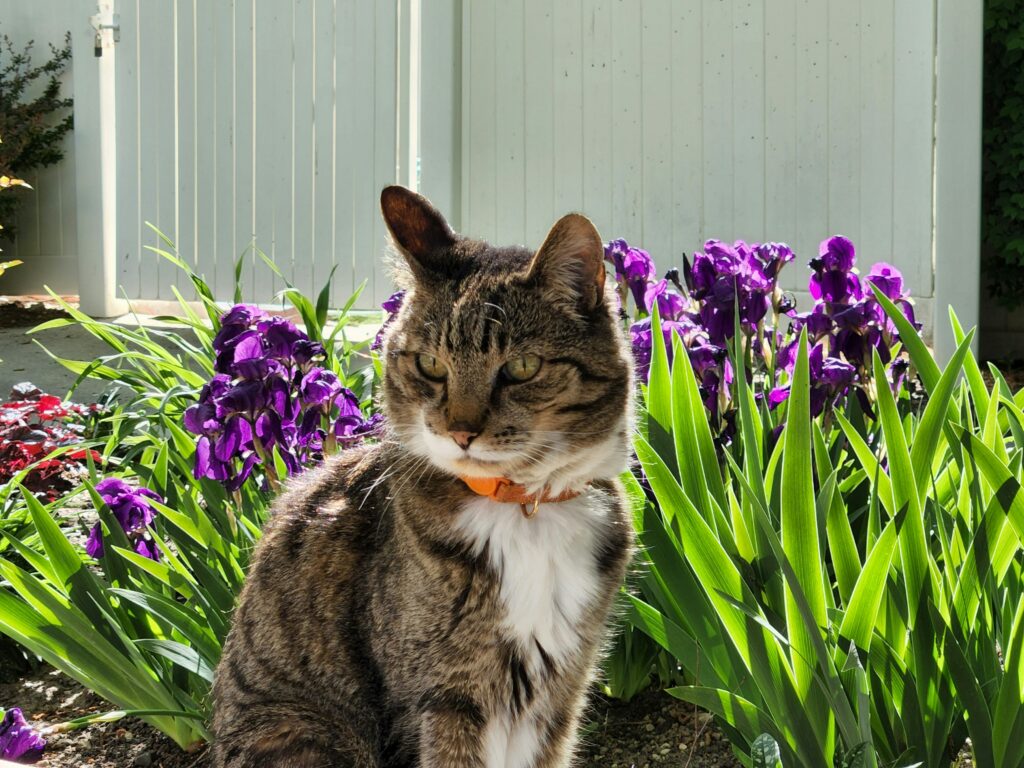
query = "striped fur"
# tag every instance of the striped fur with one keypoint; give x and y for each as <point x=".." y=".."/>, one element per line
<point x="391" y="617"/>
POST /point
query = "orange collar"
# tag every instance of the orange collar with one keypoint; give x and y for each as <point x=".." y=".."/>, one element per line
<point x="503" y="490"/>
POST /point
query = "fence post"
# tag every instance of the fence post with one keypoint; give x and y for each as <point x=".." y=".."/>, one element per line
<point x="957" y="255"/>
<point x="96" y="159"/>
<point x="440" y="107"/>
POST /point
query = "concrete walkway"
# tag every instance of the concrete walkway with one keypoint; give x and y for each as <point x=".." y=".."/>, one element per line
<point x="23" y="360"/>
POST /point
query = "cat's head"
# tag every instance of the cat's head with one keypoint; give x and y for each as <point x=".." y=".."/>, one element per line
<point x="505" y="362"/>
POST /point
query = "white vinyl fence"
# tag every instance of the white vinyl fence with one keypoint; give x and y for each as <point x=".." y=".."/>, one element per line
<point x="276" y="122"/>
<point x="245" y="123"/>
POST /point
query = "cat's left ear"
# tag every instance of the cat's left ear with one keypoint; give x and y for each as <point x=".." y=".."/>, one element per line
<point x="417" y="228"/>
<point x="570" y="264"/>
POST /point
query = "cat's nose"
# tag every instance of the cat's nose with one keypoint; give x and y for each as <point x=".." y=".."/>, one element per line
<point x="463" y="437"/>
<point x="463" y="434"/>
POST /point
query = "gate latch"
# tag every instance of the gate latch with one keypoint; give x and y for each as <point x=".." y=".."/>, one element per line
<point x="102" y="21"/>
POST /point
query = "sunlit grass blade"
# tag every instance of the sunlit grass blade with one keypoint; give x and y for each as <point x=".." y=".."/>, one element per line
<point x="934" y="418"/>
<point x="911" y="340"/>
<point x="180" y="654"/>
<point x="1008" y="714"/>
<point x="913" y="549"/>
<point x="800" y="538"/>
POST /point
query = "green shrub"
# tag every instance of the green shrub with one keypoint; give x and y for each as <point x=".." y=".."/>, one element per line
<point x="34" y="117"/>
<point x="1003" y="151"/>
<point x="142" y="623"/>
<point x="853" y="593"/>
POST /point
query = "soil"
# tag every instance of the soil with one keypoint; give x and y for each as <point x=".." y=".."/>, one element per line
<point x="16" y="312"/>
<point x="1013" y="372"/>
<point x="652" y="730"/>
<point x="49" y="697"/>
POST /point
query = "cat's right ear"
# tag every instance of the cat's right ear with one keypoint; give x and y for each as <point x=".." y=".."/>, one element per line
<point x="418" y="229"/>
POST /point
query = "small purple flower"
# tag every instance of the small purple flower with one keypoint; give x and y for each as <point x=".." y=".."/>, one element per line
<point x="835" y="287"/>
<point x="726" y="279"/>
<point x="133" y="511"/>
<point x="773" y="257"/>
<point x="235" y="321"/>
<point x="898" y="370"/>
<point x="831" y="378"/>
<point x="318" y="387"/>
<point x="279" y="335"/>
<point x="836" y="254"/>
<point x="712" y="368"/>
<point x="641" y="338"/>
<point x="670" y="304"/>
<point x="351" y="425"/>
<point x="94" y="544"/>
<point x="201" y="418"/>
<point x="833" y="281"/>
<point x="633" y="267"/>
<point x="18" y="740"/>
<point x="304" y="350"/>
<point x="817" y="322"/>
<point x="887" y="279"/>
<point x="392" y="304"/>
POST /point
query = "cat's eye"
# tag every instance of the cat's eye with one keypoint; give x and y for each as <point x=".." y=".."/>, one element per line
<point x="522" y="368"/>
<point x="431" y="367"/>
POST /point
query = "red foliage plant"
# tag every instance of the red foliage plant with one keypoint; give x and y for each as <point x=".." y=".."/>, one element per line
<point x="32" y="425"/>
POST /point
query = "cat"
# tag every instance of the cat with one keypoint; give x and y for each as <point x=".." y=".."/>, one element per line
<point x="438" y="599"/>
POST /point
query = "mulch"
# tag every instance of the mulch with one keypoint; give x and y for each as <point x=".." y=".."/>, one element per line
<point x="652" y="730"/>
<point x="20" y="312"/>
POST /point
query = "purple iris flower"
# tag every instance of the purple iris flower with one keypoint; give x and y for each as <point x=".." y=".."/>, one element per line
<point x="773" y="257"/>
<point x="817" y="322"/>
<point x="351" y="425"/>
<point x="833" y="280"/>
<point x="887" y="279"/>
<point x="633" y="267"/>
<point x="18" y="740"/>
<point x="642" y="339"/>
<point x="898" y="370"/>
<point x="729" y="278"/>
<point x="318" y="387"/>
<point x="278" y="336"/>
<point x="837" y="254"/>
<point x="835" y="287"/>
<point x="713" y="370"/>
<point x="269" y="398"/>
<point x="236" y="320"/>
<point x="133" y="511"/>
<point x="670" y="304"/>
<point x="392" y="304"/>
<point x="304" y="350"/>
<point x="831" y="378"/>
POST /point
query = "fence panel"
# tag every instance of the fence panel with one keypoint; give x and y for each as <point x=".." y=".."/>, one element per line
<point x="672" y="122"/>
<point x="44" y="233"/>
<point x="275" y="123"/>
<point x="247" y="123"/>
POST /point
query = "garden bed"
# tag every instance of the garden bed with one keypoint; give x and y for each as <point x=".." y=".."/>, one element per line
<point x="653" y="729"/>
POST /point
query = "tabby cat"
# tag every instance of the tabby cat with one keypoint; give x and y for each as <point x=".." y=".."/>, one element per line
<point x="438" y="599"/>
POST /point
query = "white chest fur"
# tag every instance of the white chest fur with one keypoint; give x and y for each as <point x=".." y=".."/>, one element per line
<point x="546" y="565"/>
<point x="548" y="576"/>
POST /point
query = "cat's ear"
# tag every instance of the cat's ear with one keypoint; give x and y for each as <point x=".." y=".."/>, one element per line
<point x="419" y="230"/>
<point x="569" y="267"/>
